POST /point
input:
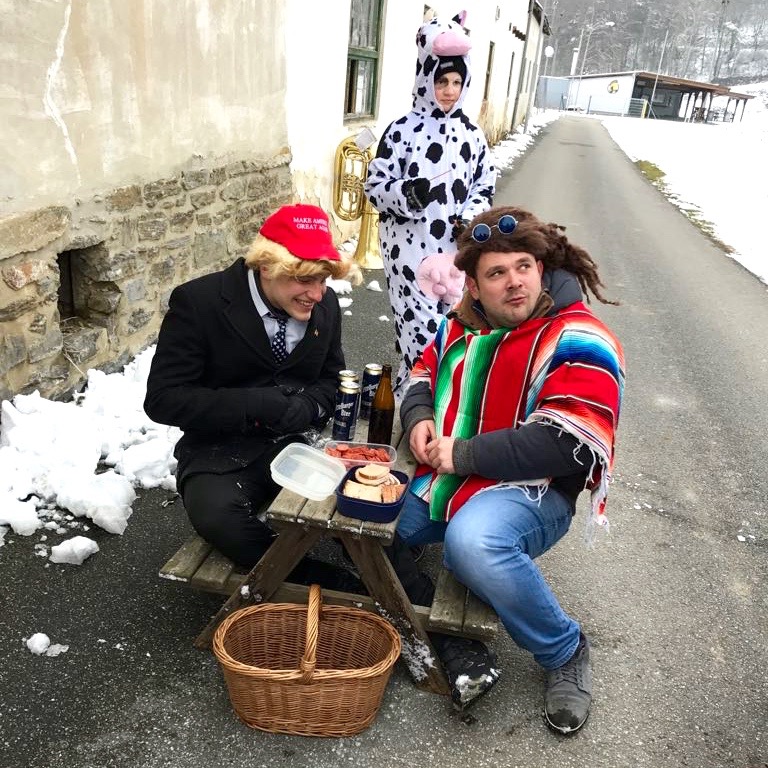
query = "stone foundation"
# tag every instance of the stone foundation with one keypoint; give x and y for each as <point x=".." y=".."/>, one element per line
<point x="86" y="286"/>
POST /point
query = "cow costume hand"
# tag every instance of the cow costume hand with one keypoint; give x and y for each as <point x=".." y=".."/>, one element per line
<point x="416" y="193"/>
<point x="439" y="278"/>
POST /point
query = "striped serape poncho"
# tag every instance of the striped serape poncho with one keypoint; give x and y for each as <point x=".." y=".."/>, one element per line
<point x="566" y="370"/>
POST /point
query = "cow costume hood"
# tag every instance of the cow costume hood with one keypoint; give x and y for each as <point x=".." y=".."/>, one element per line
<point x="437" y="40"/>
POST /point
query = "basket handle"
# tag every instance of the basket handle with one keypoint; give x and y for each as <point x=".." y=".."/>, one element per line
<point x="309" y="660"/>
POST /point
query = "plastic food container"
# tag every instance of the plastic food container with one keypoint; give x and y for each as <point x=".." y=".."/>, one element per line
<point x="307" y="471"/>
<point x="348" y="463"/>
<point x="371" y="511"/>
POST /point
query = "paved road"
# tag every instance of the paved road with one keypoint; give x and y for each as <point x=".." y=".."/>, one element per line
<point x="675" y="603"/>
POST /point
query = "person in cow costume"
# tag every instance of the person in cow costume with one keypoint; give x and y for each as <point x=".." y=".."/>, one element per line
<point x="431" y="174"/>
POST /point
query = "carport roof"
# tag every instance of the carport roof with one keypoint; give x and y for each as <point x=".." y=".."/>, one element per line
<point x="676" y="83"/>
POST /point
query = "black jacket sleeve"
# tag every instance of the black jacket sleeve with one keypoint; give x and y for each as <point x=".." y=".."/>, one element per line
<point x="530" y="452"/>
<point x="176" y="393"/>
<point x="417" y="405"/>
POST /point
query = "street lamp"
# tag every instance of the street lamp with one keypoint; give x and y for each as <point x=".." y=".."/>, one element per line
<point x="549" y="52"/>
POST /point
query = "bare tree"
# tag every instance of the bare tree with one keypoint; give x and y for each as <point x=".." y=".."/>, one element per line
<point x="705" y="38"/>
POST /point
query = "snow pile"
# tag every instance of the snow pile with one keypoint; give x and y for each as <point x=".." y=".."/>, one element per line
<point x="53" y="455"/>
<point x="40" y="644"/>
<point x="74" y="551"/>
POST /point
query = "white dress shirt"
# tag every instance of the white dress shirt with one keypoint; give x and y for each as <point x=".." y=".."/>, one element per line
<point x="294" y="329"/>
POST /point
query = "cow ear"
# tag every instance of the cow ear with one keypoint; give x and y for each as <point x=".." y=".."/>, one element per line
<point x="460" y="17"/>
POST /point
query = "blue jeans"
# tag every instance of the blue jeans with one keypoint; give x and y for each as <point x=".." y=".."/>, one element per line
<point x="489" y="545"/>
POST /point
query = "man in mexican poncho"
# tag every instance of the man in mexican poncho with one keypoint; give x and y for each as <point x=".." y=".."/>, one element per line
<point x="511" y="412"/>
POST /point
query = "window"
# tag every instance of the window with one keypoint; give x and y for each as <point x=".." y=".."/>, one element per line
<point x="489" y="71"/>
<point x="509" y="81"/>
<point x="363" y="58"/>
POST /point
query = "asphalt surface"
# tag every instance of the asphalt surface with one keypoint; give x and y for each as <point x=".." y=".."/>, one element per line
<point x="674" y="602"/>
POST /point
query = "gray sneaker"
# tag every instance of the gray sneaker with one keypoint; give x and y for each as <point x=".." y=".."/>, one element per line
<point x="569" y="692"/>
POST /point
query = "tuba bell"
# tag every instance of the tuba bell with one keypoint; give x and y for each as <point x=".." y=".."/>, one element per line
<point x="349" y="200"/>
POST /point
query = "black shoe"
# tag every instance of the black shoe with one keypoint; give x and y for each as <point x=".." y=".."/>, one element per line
<point x="569" y="692"/>
<point x="418" y="552"/>
<point x="471" y="668"/>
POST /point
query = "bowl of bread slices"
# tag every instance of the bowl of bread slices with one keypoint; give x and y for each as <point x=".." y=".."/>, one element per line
<point x="372" y="492"/>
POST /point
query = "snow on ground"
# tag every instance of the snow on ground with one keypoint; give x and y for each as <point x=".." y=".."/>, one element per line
<point x="715" y="170"/>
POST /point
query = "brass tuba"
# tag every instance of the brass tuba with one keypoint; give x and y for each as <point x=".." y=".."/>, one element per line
<point x="349" y="200"/>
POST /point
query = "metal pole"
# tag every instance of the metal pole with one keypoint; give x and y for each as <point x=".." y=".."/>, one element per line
<point x="661" y="58"/>
<point x="576" y="52"/>
<point x="581" y="71"/>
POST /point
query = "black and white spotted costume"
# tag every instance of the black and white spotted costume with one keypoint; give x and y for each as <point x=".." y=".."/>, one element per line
<point x="453" y="154"/>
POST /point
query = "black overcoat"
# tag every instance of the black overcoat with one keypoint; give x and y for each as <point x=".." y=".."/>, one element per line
<point x="214" y="376"/>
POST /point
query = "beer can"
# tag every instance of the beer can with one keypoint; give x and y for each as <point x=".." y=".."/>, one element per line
<point x="371" y="376"/>
<point x="345" y="410"/>
<point x="349" y="375"/>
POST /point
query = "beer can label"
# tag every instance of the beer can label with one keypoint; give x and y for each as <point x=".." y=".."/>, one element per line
<point x="371" y="378"/>
<point x="346" y="410"/>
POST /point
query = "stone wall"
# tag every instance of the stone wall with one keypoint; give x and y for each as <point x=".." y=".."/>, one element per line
<point x="86" y="285"/>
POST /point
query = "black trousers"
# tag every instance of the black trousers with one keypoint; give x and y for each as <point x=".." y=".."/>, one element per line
<point x="224" y="509"/>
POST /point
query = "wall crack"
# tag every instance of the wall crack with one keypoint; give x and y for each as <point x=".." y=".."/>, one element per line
<point x="51" y="108"/>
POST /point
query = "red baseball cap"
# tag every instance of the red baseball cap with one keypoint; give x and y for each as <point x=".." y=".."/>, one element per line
<point x="302" y="230"/>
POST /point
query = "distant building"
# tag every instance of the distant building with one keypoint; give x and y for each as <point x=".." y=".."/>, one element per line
<point x="552" y="92"/>
<point x="648" y="94"/>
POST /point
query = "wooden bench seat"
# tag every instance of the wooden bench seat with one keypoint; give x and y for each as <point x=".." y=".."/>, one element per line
<point x="455" y="610"/>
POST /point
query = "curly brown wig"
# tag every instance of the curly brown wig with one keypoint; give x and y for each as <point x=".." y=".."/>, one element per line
<point x="545" y="242"/>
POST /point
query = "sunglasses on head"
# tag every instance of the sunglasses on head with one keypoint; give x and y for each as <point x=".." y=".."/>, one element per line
<point x="481" y="233"/>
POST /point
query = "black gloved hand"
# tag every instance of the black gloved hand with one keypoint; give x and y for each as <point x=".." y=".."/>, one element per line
<point x="263" y="403"/>
<point x="416" y="193"/>
<point x="297" y="415"/>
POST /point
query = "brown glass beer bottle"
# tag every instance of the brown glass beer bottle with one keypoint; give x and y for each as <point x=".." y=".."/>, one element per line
<point x="382" y="410"/>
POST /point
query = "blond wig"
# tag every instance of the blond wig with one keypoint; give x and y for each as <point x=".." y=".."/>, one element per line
<point x="278" y="261"/>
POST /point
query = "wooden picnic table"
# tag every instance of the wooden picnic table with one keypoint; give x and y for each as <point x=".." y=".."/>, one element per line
<point x="300" y="524"/>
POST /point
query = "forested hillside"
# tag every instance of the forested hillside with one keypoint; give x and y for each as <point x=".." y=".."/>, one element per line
<point x="723" y="41"/>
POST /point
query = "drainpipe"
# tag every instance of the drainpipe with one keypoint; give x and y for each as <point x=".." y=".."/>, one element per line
<point x="524" y="65"/>
<point x="534" y="82"/>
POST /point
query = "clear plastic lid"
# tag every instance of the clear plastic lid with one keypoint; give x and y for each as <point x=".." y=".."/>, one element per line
<point x="307" y="471"/>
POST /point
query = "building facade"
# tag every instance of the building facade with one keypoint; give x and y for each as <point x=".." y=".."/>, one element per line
<point x="143" y="144"/>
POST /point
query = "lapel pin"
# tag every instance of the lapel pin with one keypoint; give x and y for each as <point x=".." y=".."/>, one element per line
<point x="317" y="333"/>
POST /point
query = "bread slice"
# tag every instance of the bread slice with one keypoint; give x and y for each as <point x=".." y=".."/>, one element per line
<point x="391" y="493"/>
<point x="359" y="491"/>
<point x="371" y="474"/>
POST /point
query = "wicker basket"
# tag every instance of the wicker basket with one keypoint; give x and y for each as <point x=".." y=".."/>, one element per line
<point x="306" y="670"/>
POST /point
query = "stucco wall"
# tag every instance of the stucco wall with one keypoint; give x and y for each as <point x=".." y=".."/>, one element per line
<point x="99" y="93"/>
<point x="490" y="21"/>
<point x="141" y="144"/>
<point x="316" y="49"/>
<point x="316" y="61"/>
